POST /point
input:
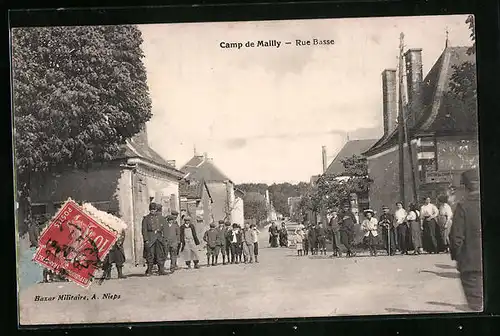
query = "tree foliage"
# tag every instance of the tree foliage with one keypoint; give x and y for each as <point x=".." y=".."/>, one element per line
<point x="254" y="205"/>
<point x="331" y="191"/>
<point x="79" y="92"/>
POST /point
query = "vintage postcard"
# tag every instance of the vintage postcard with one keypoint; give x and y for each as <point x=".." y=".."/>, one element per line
<point x="246" y="170"/>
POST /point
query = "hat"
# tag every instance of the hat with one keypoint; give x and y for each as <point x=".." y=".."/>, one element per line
<point x="175" y="213"/>
<point x="187" y="218"/>
<point x="170" y="217"/>
<point x="212" y="224"/>
<point x="153" y="206"/>
<point x="384" y="207"/>
<point x="470" y="176"/>
<point x="221" y="222"/>
<point x="235" y="225"/>
<point x="368" y="211"/>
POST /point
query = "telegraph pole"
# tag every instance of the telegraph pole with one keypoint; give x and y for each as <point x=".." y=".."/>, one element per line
<point x="401" y="122"/>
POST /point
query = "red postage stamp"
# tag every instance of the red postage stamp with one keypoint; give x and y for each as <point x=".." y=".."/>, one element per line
<point x="74" y="244"/>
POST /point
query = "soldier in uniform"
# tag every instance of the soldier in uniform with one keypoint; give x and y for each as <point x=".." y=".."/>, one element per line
<point x="465" y="241"/>
<point x="346" y="221"/>
<point x="388" y="231"/>
<point x="115" y="256"/>
<point x="154" y="243"/>
<point x="171" y="234"/>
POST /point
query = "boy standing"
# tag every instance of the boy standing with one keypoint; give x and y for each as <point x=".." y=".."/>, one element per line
<point x="321" y="237"/>
<point x="255" y="234"/>
<point x="236" y="240"/>
<point x="221" y="242"/>
<point x="210" y="238"/>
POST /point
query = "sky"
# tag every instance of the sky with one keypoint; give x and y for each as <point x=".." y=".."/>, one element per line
<point x="262" y="114"/>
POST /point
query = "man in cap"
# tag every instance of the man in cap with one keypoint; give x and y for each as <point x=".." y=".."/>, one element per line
<point x="228" y="235"/>
<point x="221" y="242"/>
<point x="154" y="243"/>
<point x="388" y="232"/>
<point x="346" y="223"/>
<point x="465" y="241"/>
<point x="171" y="233"/>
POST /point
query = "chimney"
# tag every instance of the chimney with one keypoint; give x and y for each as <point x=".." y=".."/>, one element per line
<point x="323" y="156"/>
<point x="414" y="78"/>
<point x="389" y="101"/>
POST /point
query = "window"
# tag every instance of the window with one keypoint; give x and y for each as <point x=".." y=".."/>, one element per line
<point x="38" y="209"/>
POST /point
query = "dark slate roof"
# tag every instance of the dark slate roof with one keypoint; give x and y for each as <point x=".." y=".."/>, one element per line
<point x="192" y="189"/>
<point x="353" y="147"/>
<point x="440" y="112"/>
<point x="199" y="168"/>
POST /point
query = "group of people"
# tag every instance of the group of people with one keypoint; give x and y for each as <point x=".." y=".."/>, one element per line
<point x="239" y="245"/>
<point x="340" y="230"/>
<point x="278" y="235"/>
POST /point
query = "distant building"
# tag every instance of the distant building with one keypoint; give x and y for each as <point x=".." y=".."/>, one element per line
<point x="336" y="167"/>
<point x="227" y="201"/>
<point x="442" y="130"/>
<point x="124" y="186"/>
<point x="272" y="215"/>
<point x="196" y="201"/>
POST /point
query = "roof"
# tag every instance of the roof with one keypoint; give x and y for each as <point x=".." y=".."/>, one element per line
<point x="192" y="189"/>
<point x="138" y="147"/>
<point x="440" y="113"/>
<point x="351" y="148"/>
<point x="201" y="168"/>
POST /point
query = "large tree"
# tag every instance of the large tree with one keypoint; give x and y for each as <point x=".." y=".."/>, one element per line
<point x="78" y="94"/>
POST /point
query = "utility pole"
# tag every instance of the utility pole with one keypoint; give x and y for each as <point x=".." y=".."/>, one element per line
<point x="401" y="121"/>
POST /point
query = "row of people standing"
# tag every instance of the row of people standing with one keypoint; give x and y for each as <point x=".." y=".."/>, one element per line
<point x="341" y="230"/>
<point x="237" y="244"/>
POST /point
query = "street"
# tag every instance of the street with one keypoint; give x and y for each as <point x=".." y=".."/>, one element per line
<point x="281" y="285"/>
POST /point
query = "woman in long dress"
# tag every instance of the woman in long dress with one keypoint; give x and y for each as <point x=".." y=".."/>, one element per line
<point x="189" y="243"/>
<point x="413" y="220"/>
<point x="273" y="233"/>
<point x="444" y="222"/>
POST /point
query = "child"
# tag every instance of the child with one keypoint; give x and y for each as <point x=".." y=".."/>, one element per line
<point x="299" y="238"/>
<point x="306" y="240"/>
<point x="236" y="240"/>
<point x="255" y="233"/>
<point x="210" y="238"/>
<point x="313" y="242"/>
<point x="321" y="237"/>
<point x="370" y="227"/>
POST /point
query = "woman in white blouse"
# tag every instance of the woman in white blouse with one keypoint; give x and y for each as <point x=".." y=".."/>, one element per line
<point x="444" y="220"/>
<point x="401" y="228"/>
<point x="428" y="217"/>
<point x="370" y="227"/>
<point x="413" y="220"/>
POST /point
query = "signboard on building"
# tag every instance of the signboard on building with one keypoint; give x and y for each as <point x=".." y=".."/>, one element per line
<point x="438" y="177"/>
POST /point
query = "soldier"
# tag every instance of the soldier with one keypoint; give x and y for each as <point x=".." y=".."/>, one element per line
<point x="346" y="222"/>
<point x="388" y="232"/>
<point x="221" y="242"/>
<point x="154" y="243"/>
<point x="189" y="243"/>
<point x="117" y="256"/>
<point x="465" y="241"/>
<point x="171" y="234"/>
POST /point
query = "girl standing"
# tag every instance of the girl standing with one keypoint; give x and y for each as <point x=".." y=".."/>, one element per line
<point x="299" y="239"/>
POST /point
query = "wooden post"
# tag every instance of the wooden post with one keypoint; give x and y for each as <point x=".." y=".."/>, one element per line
<point x="401" y="138"/>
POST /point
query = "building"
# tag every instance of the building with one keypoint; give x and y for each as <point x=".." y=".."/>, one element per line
<point x="336" y="167"/>
<point x="272" y="215"/>
<point x="196" y="201"/>
<point x="441" y="128"/>
<point x="124" y="186"/>
<point x="227" y="201"/>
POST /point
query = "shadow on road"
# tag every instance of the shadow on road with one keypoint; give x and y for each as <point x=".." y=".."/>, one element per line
<point x="443" y="266"/>
<point x="449" y="275"/>
<point x="462" y="307"/>
<point x="409" y="311"/>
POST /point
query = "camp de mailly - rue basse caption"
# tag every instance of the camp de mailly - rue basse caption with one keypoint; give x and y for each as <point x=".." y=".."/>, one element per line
<point x="274" y="43"/>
